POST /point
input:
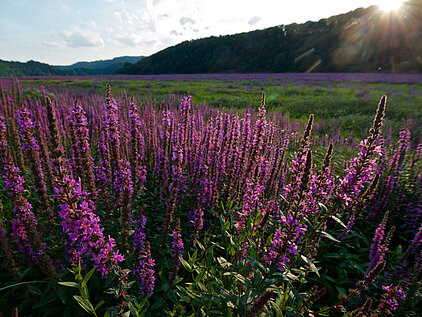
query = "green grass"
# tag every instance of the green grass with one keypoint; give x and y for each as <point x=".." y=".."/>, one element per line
<point x="349" y="104"/>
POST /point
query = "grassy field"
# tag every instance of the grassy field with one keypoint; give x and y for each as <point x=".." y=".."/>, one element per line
<point x="345" y="101"/>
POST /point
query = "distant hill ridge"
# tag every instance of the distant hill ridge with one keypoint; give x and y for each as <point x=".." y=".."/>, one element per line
<point x="363" y="40"/>
<point x="33" y="68"/>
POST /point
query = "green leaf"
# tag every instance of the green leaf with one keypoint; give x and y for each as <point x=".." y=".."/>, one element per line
<point x="341" y="291"/>
<point x="186" y="265"/>
<point x="200" y="276"/>
<point x="142" y="303"/>
<point x="296" y="294"/>
<point x="230" y="204"/>
<point x="310" y="264"/>
<point x="87" y="277"/>
<point x="323" y="208"/>
<point x="193" y="258"/>
<point x="338" y="220"/>
<point x="237" y="276"/>
<point x="226" y="225"/>
<point x="327" y="235"/>
<point x="86" y="305"/>
<point x="133" y="309"/>
<point x="223" y="262"/>
<point x="99" y="304"/>
<point x="257" y="265"/>
<point x="84" y="291"/>
<point x="61" y="294"/>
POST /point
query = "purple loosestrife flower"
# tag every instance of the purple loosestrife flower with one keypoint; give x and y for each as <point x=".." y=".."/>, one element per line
<point x="123" y="191"/>
<point x="82" y="146"/>
<point x="111" y="125"/>
<point x="390" y="300"/>
<point x="184" y="106"/>
<point x="285" y="242"/>
<point x="177" y="246"/>
<point x="17" y="145"/>
<point x="301" y="167"/>
<point x="137" y="146"/>
<point x="76" y="167"/>
<point x="32" y="152"/>
<point x="83" y="227"/>
<point x="258" y="138"/>
<point x="245" y="149"/>
<point x="103" y="168"/>
<point x="143" y="266"/>
<point x="138" y="238"/>
<point x="123" y="186"/>
<point x="378" y="249"/>
<point x="259" y="303"/>
<point x="362" y="167"/>
<point x="24" y="224"/>
<point x="79" y="221"/>
<point x="250" y="200"/>
<point x="45" y="156"/>
<point x="196" y="220"/>
<point x="146" y="271"/>
<point x="396" y="164"/>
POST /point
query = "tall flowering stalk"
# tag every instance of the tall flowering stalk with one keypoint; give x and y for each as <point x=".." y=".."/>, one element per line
<point x="395" y="166"/>
<point x="17" y="145"/>
<point x="103" y="167"/>
<point x="137" y="147"/>
<point x="378" y="248"/>
<point x="362" y="167"/>
<point x="123" y="191"/>
<point x="144" y="264"/>
<point x="298" y="167"/>
<point x="139" y="240"/>
<point x="45" y="156"/>
<point x="259" y="304"/>
<point x="82" y="146"/>
<point x="31" y="150"/>
<point x="177" y="246"/>
<point x="79" y="222"/>
<point x="24" y="223"/>
<point x="111" y="126"/>
<point x="146" y="271"/>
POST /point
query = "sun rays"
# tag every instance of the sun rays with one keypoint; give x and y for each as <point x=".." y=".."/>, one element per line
<point x="390" y="5"/>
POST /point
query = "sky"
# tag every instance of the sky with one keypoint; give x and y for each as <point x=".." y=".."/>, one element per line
<point x="62" y="32"/>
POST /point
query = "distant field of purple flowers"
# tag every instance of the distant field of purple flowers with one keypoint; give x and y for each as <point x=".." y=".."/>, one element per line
<point x="200" y="195"/>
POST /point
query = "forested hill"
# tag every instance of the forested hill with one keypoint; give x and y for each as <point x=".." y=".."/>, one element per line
<point x="363" y="40"/>
<point x="33" y="68"/>
<point x="102" y="67"/>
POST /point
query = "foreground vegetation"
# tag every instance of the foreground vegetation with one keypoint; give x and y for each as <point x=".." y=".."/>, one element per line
<point x="128" y="206"/>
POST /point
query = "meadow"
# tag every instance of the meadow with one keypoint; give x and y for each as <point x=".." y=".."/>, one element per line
<point x="203" y="195"/>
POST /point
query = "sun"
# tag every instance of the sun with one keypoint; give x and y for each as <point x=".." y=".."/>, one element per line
<point x="389" y="5"/>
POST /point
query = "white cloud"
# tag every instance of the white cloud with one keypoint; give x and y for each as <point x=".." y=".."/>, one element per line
<point x="82" y="38"/>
